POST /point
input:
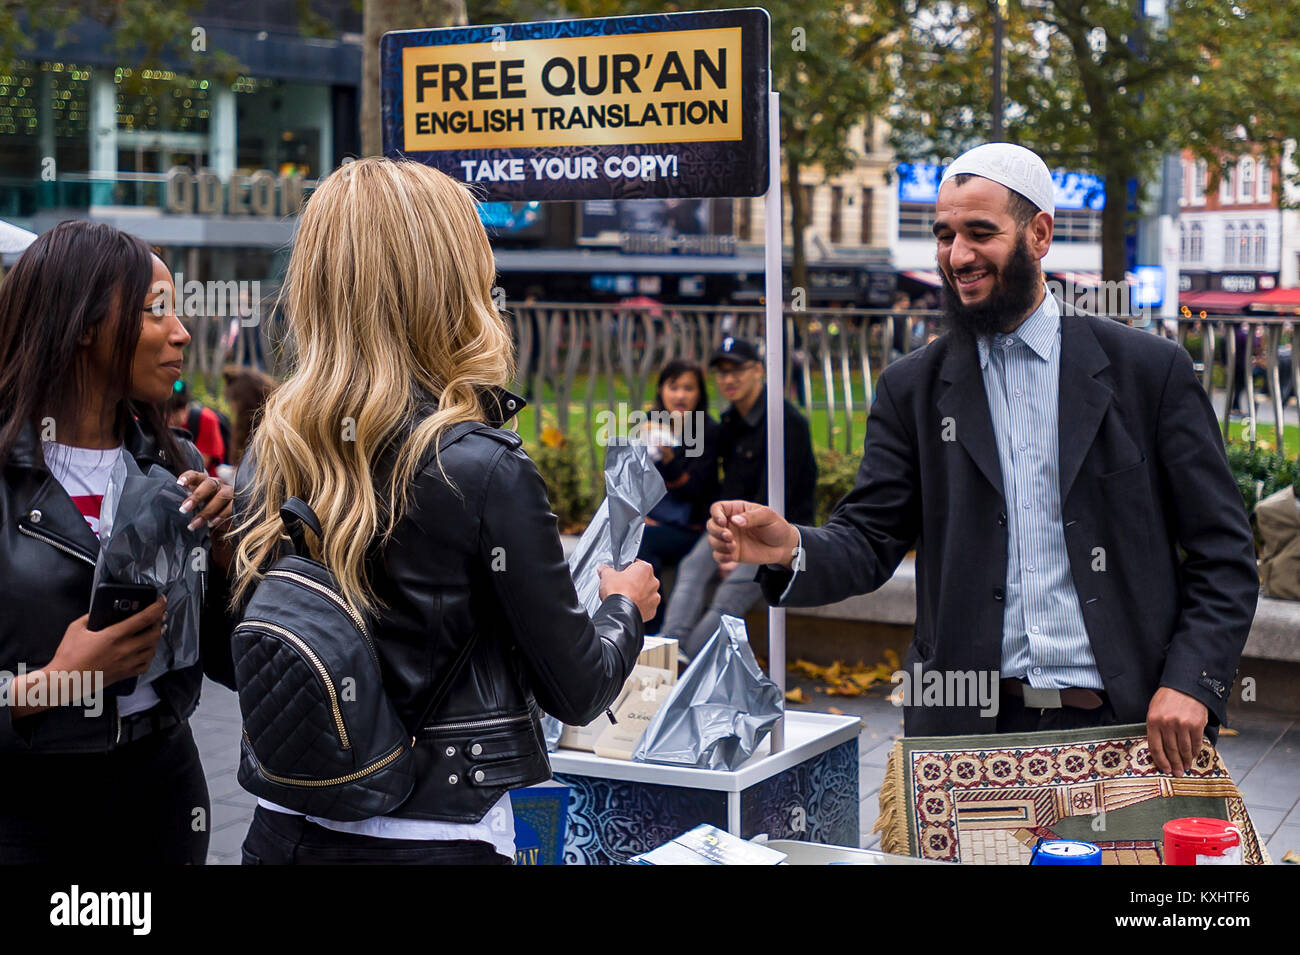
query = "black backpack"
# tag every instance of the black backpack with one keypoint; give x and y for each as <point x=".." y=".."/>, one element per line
<point x="320" y="735"/>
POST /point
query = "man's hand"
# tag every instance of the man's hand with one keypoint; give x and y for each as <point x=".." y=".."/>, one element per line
<point x="1175" y="725"/>
<point x="741" y="532"/>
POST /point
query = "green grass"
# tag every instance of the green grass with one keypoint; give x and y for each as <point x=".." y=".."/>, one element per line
<point x="1267" y="434"/>
<point x="818" y="421"/>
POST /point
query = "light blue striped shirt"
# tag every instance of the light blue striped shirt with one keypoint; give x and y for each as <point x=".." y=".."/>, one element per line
<point x="1044" y="640"/>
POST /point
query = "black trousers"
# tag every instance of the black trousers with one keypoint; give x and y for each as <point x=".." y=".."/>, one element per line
<point x="278" y="838"/>
<point x="1015" y="717"/>
<point x="143" y="803"/>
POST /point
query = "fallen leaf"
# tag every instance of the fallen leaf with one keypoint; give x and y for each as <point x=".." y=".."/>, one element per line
<point x="835" y="709"/>
<point x="1292" y="857"/>
<point x="1227" y="732"/>
<point x="796" y="695"/>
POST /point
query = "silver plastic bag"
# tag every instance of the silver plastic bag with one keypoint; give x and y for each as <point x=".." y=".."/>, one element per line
<point x="633" y="486"/>
<point x="722" y="708"/>
<point x="145" y="539"/>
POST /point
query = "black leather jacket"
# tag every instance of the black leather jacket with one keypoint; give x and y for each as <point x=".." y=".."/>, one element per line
<point x="47" y="562"/>
<point x="482" y="573"/>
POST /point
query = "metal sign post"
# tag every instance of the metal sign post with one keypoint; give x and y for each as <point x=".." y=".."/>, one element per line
<point x="775" y="350"/>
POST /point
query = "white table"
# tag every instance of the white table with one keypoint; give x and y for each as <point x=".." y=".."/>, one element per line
<point x="621" y="806"/>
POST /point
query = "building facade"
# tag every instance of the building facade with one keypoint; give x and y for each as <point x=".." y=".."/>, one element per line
<point x="211" y="172"/>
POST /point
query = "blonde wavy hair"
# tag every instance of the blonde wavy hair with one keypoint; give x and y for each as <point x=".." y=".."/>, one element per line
<point x="388" y="297"/>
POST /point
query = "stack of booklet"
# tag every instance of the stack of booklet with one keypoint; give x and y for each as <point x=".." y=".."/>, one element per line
<point x="709" y="845"/>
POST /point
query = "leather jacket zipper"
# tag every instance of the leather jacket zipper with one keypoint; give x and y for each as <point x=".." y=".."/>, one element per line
<point x="336" y="599"/>
<point x="316" y="664"/>
<point x="57" y="544"/>
<point x="476" y="724"/>
<point x="336" y="781"/>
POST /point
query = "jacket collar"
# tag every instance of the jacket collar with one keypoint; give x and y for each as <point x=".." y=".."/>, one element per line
<point x="500" y="405"/>
<point x="140" y="444"/>
<point x="756" y="412"/>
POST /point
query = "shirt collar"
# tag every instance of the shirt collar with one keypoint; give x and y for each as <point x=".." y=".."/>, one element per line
<point x="756" y="410"/>
<point x="1038" y="331"/>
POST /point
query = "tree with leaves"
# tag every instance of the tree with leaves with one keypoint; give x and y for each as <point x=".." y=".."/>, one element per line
<point x="1092" y="85"/>
<point x="379" y="17"/>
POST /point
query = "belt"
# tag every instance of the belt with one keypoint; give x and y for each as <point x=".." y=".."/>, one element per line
<point x="1074" y="696"/>
<point x="139" y="725"/>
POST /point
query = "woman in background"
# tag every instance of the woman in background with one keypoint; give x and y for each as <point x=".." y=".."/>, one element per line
<point x="688" y="462"/>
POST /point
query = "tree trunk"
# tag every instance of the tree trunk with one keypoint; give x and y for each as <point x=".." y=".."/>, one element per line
<point x="379" y="17"/>
<point x="1114" y="219"/>
<point x="798" y="217"/>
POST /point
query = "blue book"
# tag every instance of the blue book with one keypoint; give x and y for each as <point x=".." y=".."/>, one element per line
<point x="541" y="818"/>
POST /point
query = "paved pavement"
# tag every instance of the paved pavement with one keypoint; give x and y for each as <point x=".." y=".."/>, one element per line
<point x="1264" y="760"/>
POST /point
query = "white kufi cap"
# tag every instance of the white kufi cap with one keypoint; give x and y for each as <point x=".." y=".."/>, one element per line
<point x="1019" y="169"/>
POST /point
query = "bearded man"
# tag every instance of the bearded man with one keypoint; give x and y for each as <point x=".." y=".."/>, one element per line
<point x="1062" y="479"/>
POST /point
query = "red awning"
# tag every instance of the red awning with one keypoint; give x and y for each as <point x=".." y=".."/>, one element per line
<point x="1080" y="279"/>
<point x="1277" y="300"/>
<point x="931" y="279"/>
<point x="1217" y="303"/>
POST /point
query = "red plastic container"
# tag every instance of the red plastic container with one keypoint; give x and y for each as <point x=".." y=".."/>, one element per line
<point x="1194" y="841"/>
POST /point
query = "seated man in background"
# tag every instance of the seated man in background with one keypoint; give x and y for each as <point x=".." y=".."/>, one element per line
<point x="742" y="445"/>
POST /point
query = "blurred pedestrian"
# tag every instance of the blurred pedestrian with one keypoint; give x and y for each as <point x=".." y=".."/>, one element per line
<point x="690" y="473"/>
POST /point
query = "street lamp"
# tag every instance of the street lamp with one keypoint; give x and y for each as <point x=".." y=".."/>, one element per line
<point x="999" y="31"/>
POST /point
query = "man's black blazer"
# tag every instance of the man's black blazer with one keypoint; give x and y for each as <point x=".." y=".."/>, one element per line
<point x="1160" y="547"/>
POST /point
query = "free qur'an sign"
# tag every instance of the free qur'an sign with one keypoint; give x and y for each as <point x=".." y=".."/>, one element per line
<point x="619" y="107"/>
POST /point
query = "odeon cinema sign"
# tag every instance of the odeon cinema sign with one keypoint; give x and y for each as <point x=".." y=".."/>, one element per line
<point x="261" y="193"/>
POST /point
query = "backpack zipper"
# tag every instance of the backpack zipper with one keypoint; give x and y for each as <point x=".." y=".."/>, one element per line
<point x="71" y="552"/>
<point x="318" y="783"/>
<point x="315" y="661"/>
<point x="339" y="601"/>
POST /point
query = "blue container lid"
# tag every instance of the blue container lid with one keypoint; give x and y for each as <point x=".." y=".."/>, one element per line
<point x="1066" y="852"/>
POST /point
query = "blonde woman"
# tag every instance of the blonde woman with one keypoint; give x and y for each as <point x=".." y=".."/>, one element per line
<point x="395" y="338"/>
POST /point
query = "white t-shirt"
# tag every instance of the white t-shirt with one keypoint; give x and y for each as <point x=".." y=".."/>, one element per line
<point x="84" y="473"/>
<point x="497" y="827"/>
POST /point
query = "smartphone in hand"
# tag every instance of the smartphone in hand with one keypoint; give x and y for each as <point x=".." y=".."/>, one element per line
<point x="113" y="603"/>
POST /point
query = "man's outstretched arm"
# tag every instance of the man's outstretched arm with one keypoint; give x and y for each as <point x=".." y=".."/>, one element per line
<point x="858" y="549"/>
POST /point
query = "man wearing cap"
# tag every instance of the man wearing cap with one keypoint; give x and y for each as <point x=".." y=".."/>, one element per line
<point x="742" y="445"/>
<point x="1063" y="481"/>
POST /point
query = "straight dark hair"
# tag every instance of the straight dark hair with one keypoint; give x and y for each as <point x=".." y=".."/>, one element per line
<point x="674" y="369"/>
<point x="79" y="277"/>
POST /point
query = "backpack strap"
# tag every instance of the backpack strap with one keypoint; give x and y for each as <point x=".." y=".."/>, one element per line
<point x="295" y="513"/>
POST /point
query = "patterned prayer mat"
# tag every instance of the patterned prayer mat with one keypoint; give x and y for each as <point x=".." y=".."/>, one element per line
<point x="989" y="799"/>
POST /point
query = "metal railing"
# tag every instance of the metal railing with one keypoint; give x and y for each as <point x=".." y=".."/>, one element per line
<point x="590" y="357"/>
<point x="831" y="356"/>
